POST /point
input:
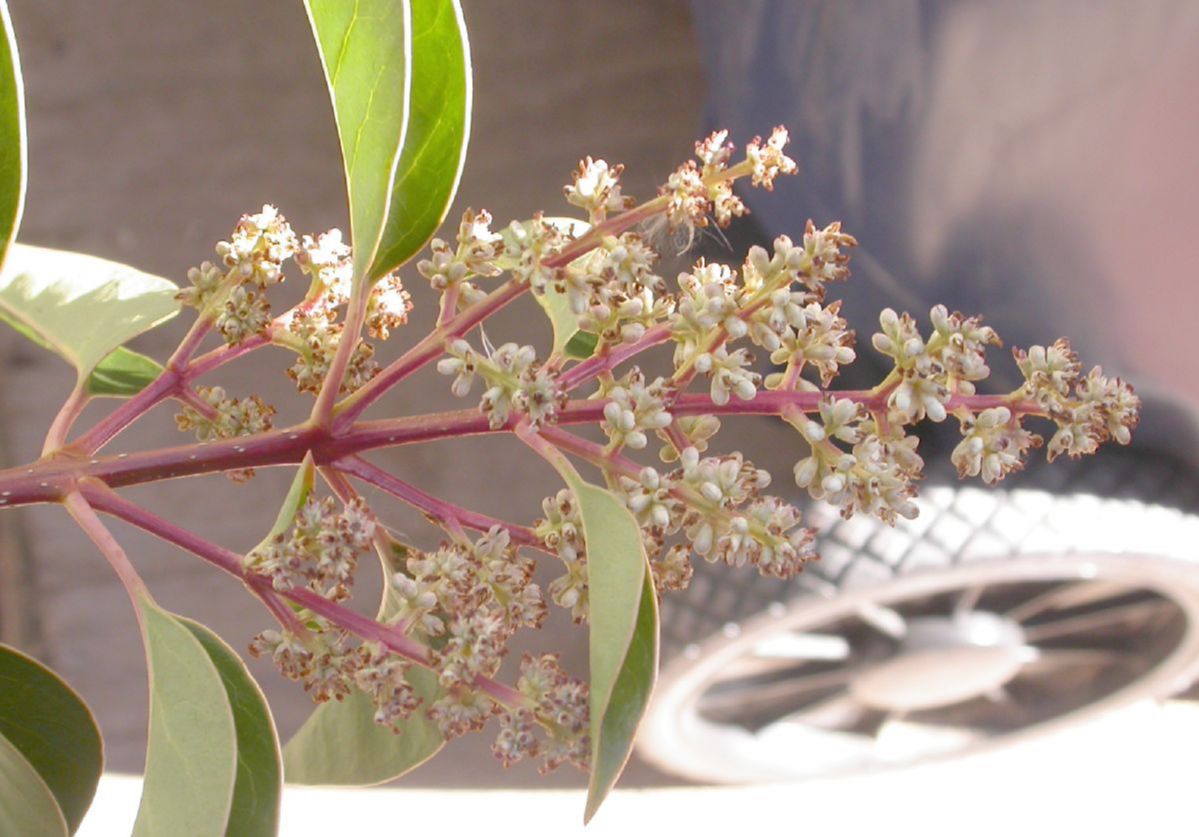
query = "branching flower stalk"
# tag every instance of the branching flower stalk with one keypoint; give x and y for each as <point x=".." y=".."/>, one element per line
<point x="759" y="338"/>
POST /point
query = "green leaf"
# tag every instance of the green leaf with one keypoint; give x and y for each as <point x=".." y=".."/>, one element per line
<point x="123" y="373"/>
<point x="399" y="76"/>
<point x="430" y="166"/>
<point x="624" y="631"/>
<point x="297" y="495"/>
<point x="12" y="135"/>
<point x="258" y="788"/>
<point x="340" y="744"/>
<point x="53" y="729"/>
<point x="630" y="697"/>
<point x="191" y="760"/>
<point x="27" y="807"/>
<point x="78" y="306"/>
<point x="582" y="345"/>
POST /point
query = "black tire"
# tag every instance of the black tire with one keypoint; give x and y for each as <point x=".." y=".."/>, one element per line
<point x="1120" y="503"/>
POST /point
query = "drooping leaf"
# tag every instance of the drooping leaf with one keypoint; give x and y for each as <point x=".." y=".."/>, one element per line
<point x="26" y="804"/>
<point x="53" y="729"/>
<point x="630" y="697"/>
<point x="399" y="76"/>
<point x="191" y="759"/>
<point x="340" y="744"/>
<point x="12" y="135"/>
<point x="624" y="631"/>
<point x="258" y="787"/>
<point x="81" y="307"/>
<point x="123" y="373"/>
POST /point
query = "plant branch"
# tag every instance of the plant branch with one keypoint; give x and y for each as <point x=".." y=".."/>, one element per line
<point x="66" y="417"/>
<point x="108" y="501"/>
<point x="438" y="510"/>
<point x="83" y="513"/>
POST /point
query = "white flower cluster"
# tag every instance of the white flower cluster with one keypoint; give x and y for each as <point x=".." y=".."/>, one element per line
<point x="596" y="189"/>
<point x="556" y="727"/>
<point x="515" y="382"/>
<point x="253" y="259"/>
<point x="320" y="549"/>
<point x="634" y="409"/>
<point x="561" y="530"/>
<point x="226" y="419"/>
<point x="1088" y="409"/>
<point x="874" y="475"/>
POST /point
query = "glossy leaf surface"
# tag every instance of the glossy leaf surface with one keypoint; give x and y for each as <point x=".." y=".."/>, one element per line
<point x="53" y="729"/>
<point x="80" y="307"/>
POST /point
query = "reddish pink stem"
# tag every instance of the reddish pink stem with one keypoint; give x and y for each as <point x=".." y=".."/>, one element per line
<point x="441" y="511"/>
<point x="104" y="499"/>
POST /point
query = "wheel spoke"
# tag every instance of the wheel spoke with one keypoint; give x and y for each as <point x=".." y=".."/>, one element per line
<point x="1072" y="594"/>
<point x="1051" y="659"/>
<point x="884" y="619"/>
<point x="733" y="698"/>
<point x="1096" y="620"/>
<point x="786" y="650"/>
<point x="838" y="711"/>
<point x="967" y="600"/>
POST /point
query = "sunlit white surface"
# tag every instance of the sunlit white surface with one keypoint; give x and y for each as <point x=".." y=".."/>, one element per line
<point x="1127" y="772"/>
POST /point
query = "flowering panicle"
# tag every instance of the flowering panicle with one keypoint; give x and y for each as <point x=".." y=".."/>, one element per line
<point x="453" y="610"/>
<point x="695" y="191"/>
<point x="1088" y="410"/>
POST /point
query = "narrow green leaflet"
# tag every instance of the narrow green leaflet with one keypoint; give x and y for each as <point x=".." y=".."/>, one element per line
<point x="340" y="743"/>
<point x="81" y="307"/>
<point x="12" y="135"/>
<point x="430" y="166"/>
<point x="399" y="76"/>
<point x="26" y="804"/>
<point x="53" y="730"/>
<point x="297" y="495"/>
<point x="123" y="373"/>
<point x="630" y="697"/>
<point x="624" y="632"/>
<point x="258" y="788"/>
<point x="191" y="760"/>
<point x="582" y="345"/>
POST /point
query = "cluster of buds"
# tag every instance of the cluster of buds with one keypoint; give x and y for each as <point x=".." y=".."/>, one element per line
<point x="561" y="530"/>
<point x="515" y="382"/>
<point x="695" y="191"/>
<point x="253" y="260"/>
<point x="557" y="709"/>
<point x="320" y="549"/>
<point x="1088" y="410"/>
<point x="214" y="415"/>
